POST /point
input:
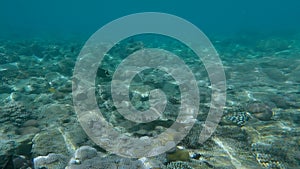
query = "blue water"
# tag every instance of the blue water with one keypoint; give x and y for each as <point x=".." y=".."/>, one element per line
<point x="61" y="19"/>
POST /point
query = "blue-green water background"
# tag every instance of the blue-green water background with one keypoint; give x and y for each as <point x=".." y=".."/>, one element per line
<point x="74" y="18"/>
<point x="258" y="43"/>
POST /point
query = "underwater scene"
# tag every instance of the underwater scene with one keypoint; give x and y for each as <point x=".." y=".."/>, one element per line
<point x="150" y="84"/>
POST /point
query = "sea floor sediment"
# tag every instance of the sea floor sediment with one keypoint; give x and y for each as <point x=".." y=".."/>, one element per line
<point x="260" y="126"/>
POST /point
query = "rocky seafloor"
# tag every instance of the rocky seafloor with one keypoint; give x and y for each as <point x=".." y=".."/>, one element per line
<point x="260" y="127"/>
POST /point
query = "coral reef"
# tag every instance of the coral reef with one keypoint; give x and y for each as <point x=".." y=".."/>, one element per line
<point x="14" y="113"/>
<point x="88" y="157"/>
<point x="259" y="127"/>
<point x="178" y="165"/>
<point x="51" y="161"/>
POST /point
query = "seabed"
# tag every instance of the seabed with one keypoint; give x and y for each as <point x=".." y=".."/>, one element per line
<point x="260" y="127"/>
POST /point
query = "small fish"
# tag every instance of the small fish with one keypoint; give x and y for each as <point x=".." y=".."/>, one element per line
<point x="52" y="90"/>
